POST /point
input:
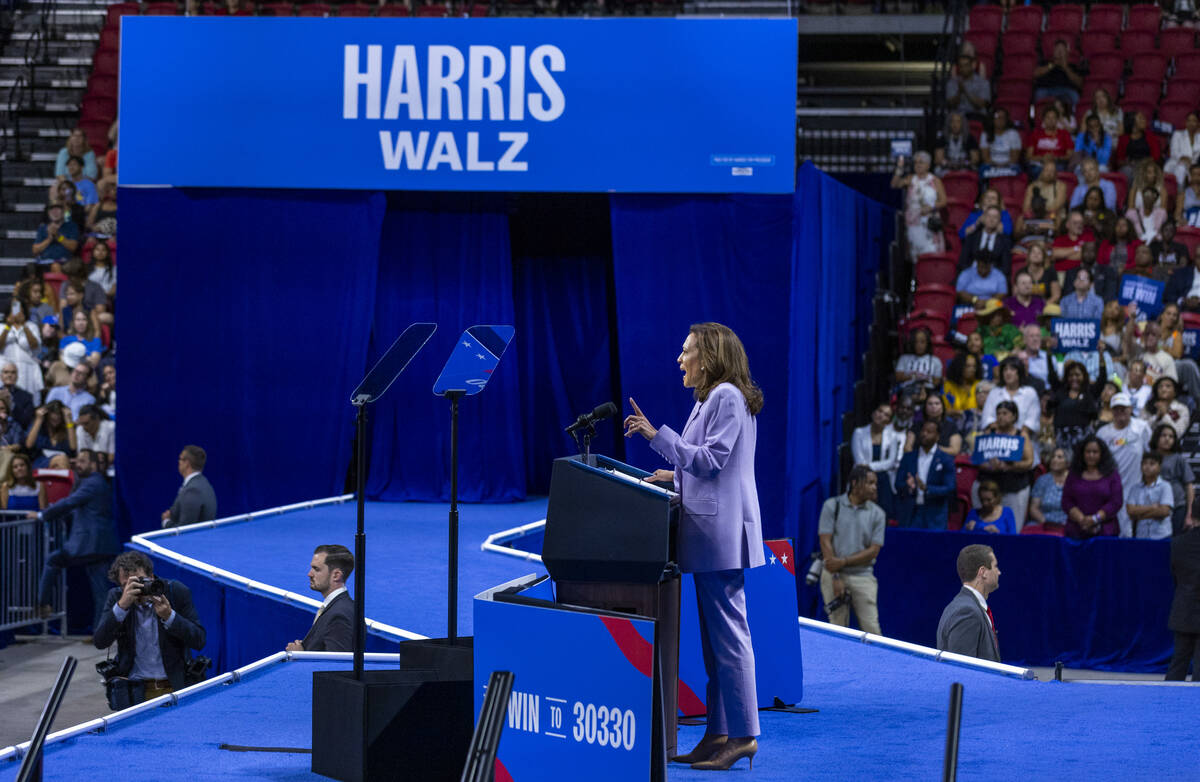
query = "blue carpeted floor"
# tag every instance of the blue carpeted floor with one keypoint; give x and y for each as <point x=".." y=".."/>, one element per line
<point x="882" y="717"/>
<point x="406" y="554"/>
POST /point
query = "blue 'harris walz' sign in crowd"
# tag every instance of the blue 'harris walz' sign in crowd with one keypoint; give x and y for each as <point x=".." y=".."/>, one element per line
<point x="1076" y="334"/>
<point x="1005" y="447"/>
<point x="1147" y="293"/>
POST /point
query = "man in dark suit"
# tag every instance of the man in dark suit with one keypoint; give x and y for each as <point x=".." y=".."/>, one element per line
<point x="22" y="400"/>
<point x="1184" y="619"/>
<point x="92" y="541"/>
<point x="967" y="626"/>
<point x="1181" y="287"/>
<point x="333" y="629"/>
<point x="153" y="632"/>
<point x="991" y="239"/>
<point x="925" y="482"/>
<point x="196" y="500"/>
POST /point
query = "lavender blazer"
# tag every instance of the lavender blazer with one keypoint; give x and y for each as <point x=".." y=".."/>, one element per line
<point x="719" y="526"/>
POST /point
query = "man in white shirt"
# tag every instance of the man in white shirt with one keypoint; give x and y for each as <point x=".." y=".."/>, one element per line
<point x="967" y="625"/>
<point x="1136" y="384"/>
<point x="95" y="432"/>
<point x="1127" y="438"/>
<point x="1158" y="362"/>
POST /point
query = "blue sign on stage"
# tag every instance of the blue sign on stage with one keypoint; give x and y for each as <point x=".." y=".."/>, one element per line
<point x="1076" y="333"/>
<point x="1146" y="292"/>
<point x="1005" y="447"/>
<point x="550" y="105"/>
<point x="583" y="694"/>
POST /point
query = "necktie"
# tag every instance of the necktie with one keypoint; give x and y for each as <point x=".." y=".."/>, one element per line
<point x="992" y="619"/>
<point x="321" y="610"/>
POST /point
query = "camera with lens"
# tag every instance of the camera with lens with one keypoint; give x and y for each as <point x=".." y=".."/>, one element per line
<point x="838" y="602"/>
<point x="814" y="570"/>
<point x="152" y="586"/>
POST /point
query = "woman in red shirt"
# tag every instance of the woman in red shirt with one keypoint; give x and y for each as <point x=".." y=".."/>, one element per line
<point x="1049" y="140"/>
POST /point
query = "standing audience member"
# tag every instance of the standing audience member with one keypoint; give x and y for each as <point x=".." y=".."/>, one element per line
<point x="196" y="501"/>
<point x="955" y="148"/>
<point x="1185" y="149"/>
<point x="1046" y="514"/>
<point x="75" y="394"/>
<point x="925" y="482"/>
<point x="333" y="629"/>
<point x="879" y="447"/>
<point x="1092" y="494"/>
<point x="1184" y="619"/>
<point x="918" y="366"/>
<point x="1024" y="305"/>
<point x="1127" y="439"/>
<point x="988" y="237"/>
<point x="1014" y="478"/>
<point x="19" y="345"/>
<point x="20" y="491"/>
<point x="1083" y="303"/>
<point x="1036" y="360"/>
<point x="1177" y="472"/>
<point x="967" y="625"/>
<point x="949" y="439"/>
<point x="1013" y="388"/>
<point x="1148" y="504"/>
<point x="924" y="196"/>
<point x="1075" y="403"/>
<point x="851" y="531"/>
<point x="1164" y="407"/>
<point x="990" y="517"/>
<point x="962" y="379"/>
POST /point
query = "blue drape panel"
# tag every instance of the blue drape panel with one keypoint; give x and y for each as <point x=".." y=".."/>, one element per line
<point x="563" y="336"/>
<point x="679" y="260"/>
<point x="242" y="330"/>
<point x="1098" y="604"/>
<point x="451" y="267"/>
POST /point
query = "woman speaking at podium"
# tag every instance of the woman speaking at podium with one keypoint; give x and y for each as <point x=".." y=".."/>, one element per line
<point x="719" y="530"/>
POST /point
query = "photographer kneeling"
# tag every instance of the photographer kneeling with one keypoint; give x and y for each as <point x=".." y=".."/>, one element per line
<point x="154" y="624"/>
<point x="851" y="534"/>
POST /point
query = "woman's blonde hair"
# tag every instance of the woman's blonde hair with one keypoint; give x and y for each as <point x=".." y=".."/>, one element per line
<point x="723" y="359"/>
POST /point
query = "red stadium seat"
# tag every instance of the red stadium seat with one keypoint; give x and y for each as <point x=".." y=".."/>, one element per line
<point x="1105" y="17"/>
<point x="1135" y="43"/>
<point x="393" y="10"/>
<point x="110" y="39"/>
<point x="479" y="9"/>
<point x="1151" y="66"/>
<point x="938" y="323"/>
<point x="314" y="9"/>
<point x="430" y="10"/>
<point x="944" y="351"/>
<point x="1019" y="67"/>
<point x="953" y="243"/>
<point x="1172" y="188"/>
<point x="1081" y="109"/>
<point x="161" y="9"/>
<point x="1184" y="90"/>
<point x="1190" y="236"/>
<point x="354" y="9"/>
<point x="1012" y="188"/>
<point x="1174" y="41"/>
<point x="117" y="10"/>
<point x="936" y="269"/>
<point x="966" y="322"/>
<point x="97" y="108"/>
<point x="1094" y="44"/>
<point x="1093" y="83"/>
<point x="97" y="133"/>
<point x="985" y="18"/>
<point x="963" y="185"/>
<point x="58" y="483"/>
<point x="1107" y="66"/>
<point x="103" y="86"/>
<point x="1019" y="43"/>
<point x="1120" y="183"/>
<point x="1018" y="111"/>
<point x="1144" y="16"/>
<point x="1174" y="112"/>
<point x="276" y="9"/>
<point x="1142" y="91"/>
<point x="1132" y="107"/>
<point x="985" y="50"/>
<point x="1065" y="18"/>
<point x="1025" y="18"/>
<point x="1069" y="179"/>
<point x="106" y="63"/>
<point x="1013" y="89"/>
<point x="935" y="299"/>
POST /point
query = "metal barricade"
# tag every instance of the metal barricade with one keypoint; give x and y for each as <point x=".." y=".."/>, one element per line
<point x="24" y="546"/>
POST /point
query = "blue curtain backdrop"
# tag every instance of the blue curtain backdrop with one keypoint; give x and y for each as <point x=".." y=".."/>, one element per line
<point x="243" y="330"/>
<point x="449" y="265"/>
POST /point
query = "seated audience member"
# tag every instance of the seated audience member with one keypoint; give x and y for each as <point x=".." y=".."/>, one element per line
<point x="1112" y="328"/>
<point x="1092" y="495"/>
<point x="75" y="394"/>
<point x="66" y="194"/>
<point x="966" y="625"/>
<point x="998" y="333"/>
<point x="1001" y="145"/>
<point x="934" y="409"/>
<point x="1170" y="324"/>
<point x="1048" y="143"/>
<point x="1164" y="407"/>
<point x="988" y="238"/>
<point x="1095" y="144"/>
<point x="12" y="434"/>
<point x="95" y="432"/>
<point x="1024" y="305"/>
<point x="1144" y="266"/>
<point x="57" y="239"/>
<point x="106" y="395"/>
<point x="1097" y="218"/>
<point x="196" y="501"/>
<point x="962" y="378"/>
<point x="1184" y="619"/>
<point x="1036" y="360"/>
<point x="52" y="433"/>
<point x="92" y="541"/>
<point x="1187" y="205"/>
<point x="103" y="273"/>
<point x="925" y="482"/>
<point x="1012" y="478"/>
<point x="22" y="400"/>
<point x="1177" y="472"/>
<point x="1136" y="147"/>
<point x="83" y="331"/>
<point x="1183" y="287"/>
<point x="1136" y="384"/>
<point x="1045" y="280"/>
<point x="37" y="304"/>
<point x="923" y="197"/>
<point x="1068" y="246"/>
<point x="1168" y="252"/>
<point x="1089" y="177"/>
<point x="77" y="146"/>
<point x="1047" y="186"/>
<point x="85" y="188"/>
<point x="1149" y="218"/>
<point x="1148" y="174"/>
<point x="955" y="148"/>
<point x="1038" y="225"/>
<point x="1083" y="303"/>
<point x="1184" y="149"/>
<point x="991" y="516"/>
<point x="82" y="293"/>
<point x="918" y="366"/>
<point x="1075" y="403"/>
<point x="990" y="197"/>
<point x="967" y="90"/>
<point x="1066" y="118"/>
<point x="101" y="221"/>
<point x="153" y="633"/>
<point x="1116" y="252"/>
<point x="1105" y="414"/>
<point x="20" y="491"/>
<point x="1127" y="439"/>
<point x="1106" y="281"/>
<point x="1046" y="514"/>
<point x="981" y="281"/>
<point x="1057" y="78"/>
<point x="1045" y="439"/>
<point x="1148" y="503"/>
<point x="879" y="446"/>
<point x="1112" y="117"/>
<point x="333" y="629"/>
<point x="1159" y="363"/>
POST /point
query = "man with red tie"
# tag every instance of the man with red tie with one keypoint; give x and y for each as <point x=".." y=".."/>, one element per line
<point x="967" y="625"/>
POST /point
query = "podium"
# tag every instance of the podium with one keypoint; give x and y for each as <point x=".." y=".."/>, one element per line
<point x="610" y="544"/>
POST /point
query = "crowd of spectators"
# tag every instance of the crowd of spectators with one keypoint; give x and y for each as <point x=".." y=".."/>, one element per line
<point x="57" y="352"/>
<point x="1040" y="199"/>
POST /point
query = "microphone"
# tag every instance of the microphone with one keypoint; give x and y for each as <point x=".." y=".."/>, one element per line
<point x="606" y="410"/>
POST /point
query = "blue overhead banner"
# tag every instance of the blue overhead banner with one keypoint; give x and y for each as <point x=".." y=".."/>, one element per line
<point x="548" y="105"/>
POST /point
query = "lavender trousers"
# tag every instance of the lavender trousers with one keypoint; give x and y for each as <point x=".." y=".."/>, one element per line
<point x="731" y="697"/>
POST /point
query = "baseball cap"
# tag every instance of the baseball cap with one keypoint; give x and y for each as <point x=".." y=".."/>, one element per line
<point x="1121" y="400"/>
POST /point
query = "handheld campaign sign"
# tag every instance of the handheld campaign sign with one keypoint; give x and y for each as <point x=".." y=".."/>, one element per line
<point x="506" y="104"/>
<point x="1191" y="343"/>
<point x="473" y="360"/>
<point x="1076" y="333"/>
<point x="1147" y="293"/>
<point x="1005" y="447"/>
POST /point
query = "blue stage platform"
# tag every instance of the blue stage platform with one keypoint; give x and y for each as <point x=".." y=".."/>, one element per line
<point x="881" y="716"/>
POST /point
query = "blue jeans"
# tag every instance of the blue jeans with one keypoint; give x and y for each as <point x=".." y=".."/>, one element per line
<point x="97" y="574"/>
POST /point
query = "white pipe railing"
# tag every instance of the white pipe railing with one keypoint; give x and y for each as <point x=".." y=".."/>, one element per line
<point x="493" y="541"/>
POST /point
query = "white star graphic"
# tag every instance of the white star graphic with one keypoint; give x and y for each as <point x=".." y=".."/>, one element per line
<point x="479" y="356"/>
<point x="772" y="559"/>
<point x="785" y="559"/>
<point x="466" y="344"/>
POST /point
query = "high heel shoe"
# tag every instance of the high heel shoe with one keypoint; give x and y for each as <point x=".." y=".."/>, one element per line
<point x="707" y="747"/>
<point x="730" y="753"/>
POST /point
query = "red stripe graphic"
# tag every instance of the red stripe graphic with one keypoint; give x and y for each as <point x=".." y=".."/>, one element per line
<point x="783" y="550"/>
<point x="637" y="650"/>
<point x="690" y="703"/>
<point x="502" y="774"/>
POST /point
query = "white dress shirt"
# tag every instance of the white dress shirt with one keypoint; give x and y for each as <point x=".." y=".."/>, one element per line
<point x="982" y="602"/>
<point x="924" y="460"/>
